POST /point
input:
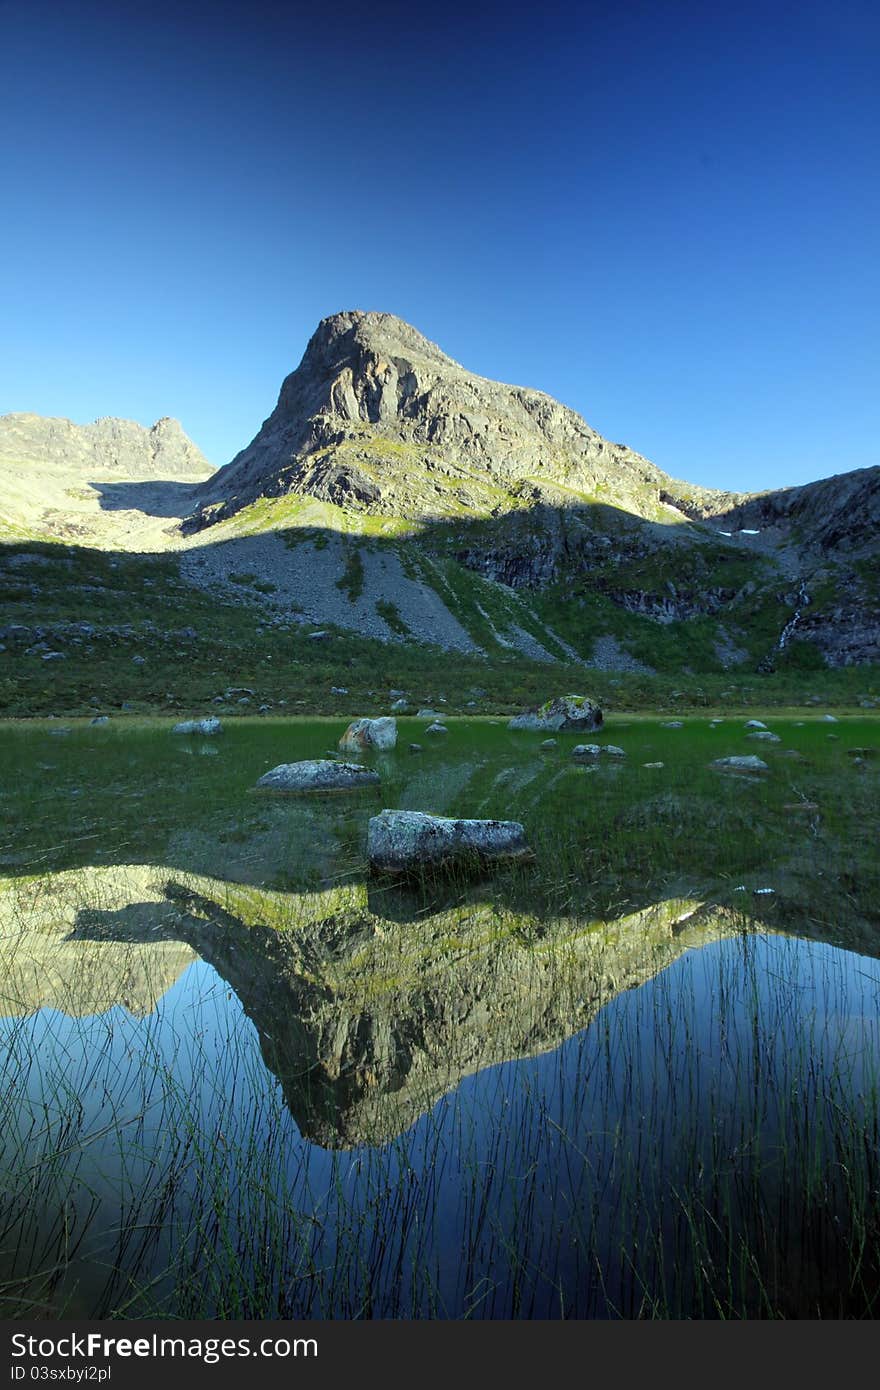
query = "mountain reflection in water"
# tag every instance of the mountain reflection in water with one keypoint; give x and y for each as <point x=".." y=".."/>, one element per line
<point x="365" y="1018"/>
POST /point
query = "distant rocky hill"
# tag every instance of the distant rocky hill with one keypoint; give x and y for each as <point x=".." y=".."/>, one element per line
<point x="132" y="450"/>
<point x="96" y="483"/>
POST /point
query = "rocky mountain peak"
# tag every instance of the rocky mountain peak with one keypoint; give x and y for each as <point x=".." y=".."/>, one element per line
<point x="376" y="417"/>
<point x="348" y="337"/>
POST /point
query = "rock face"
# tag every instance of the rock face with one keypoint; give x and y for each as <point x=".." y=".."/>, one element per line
<point x="318" y="775"/>
<point x="562" y="712"/>
<point x="401" y="842"/>
<point x="362" y="734"/>
<point x="378" y="418"/>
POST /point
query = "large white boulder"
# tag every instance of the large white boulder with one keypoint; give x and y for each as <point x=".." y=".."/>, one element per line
<point x="405" y="841"/>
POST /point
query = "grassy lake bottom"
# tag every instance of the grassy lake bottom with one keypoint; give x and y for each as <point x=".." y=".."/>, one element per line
<point x="639" y="1077"/>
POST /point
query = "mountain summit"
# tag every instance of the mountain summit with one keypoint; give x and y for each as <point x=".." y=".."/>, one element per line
<point x="376" y="417"/>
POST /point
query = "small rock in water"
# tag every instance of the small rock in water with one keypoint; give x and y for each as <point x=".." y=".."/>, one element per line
<point x="755" y="724"/>
<point x="586" y="750"/>
<point x="548" y="744"/>
<point x="653" y="764"/>
<point x="369" y="733"/>
<point x="318" y="775"/>
<point x="436" y="729"/>
<point x="612" y="751"/>
<point x="673" y="724"/>
<point x="415" y="748"/>
<point x="100" y="719"/>
<point x="765" y="736"/>
<point x="199" y="726"/>
<point x="563" y="712"/>
<point x="829" y="718"/>
<point x="741" y="763"/>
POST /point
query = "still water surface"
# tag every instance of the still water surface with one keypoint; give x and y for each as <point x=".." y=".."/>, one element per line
<point x="242" y="1079"/>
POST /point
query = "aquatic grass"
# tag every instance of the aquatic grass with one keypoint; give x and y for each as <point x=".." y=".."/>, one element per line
<point x="666" y="1216"/>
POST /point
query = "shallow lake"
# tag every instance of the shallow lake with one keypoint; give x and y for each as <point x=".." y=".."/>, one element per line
<point x="242" y="1078"/>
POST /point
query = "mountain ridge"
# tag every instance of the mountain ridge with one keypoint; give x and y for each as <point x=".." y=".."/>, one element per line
<point x="109" y="442"/>
<point x="394" y="494"/>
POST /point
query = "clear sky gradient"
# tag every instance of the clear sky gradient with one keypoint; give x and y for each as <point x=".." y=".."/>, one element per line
<point x="664" y="214"/>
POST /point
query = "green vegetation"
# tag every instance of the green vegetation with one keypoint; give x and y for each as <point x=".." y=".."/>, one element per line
<point x="193" y="643"/>
<point x="352" y="580"/>
<point x="391" y="615"/>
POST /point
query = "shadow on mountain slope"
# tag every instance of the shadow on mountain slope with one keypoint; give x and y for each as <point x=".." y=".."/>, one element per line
<point x="159" y="498"/>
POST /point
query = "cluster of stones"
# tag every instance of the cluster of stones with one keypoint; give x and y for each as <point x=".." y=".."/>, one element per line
<point x="399" y="842"/>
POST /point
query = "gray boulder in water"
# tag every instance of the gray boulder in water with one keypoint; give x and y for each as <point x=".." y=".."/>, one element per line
<point x="402" y="842"/>
<point x="562" y="712"/>
<point x="741" y="763"/>
<point x="369" y="733"/>
<point x="198" y="726"/>
<point x="318" y="775"/>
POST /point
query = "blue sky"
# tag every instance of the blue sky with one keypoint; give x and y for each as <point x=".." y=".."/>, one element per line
<point x="665" y="215"/>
